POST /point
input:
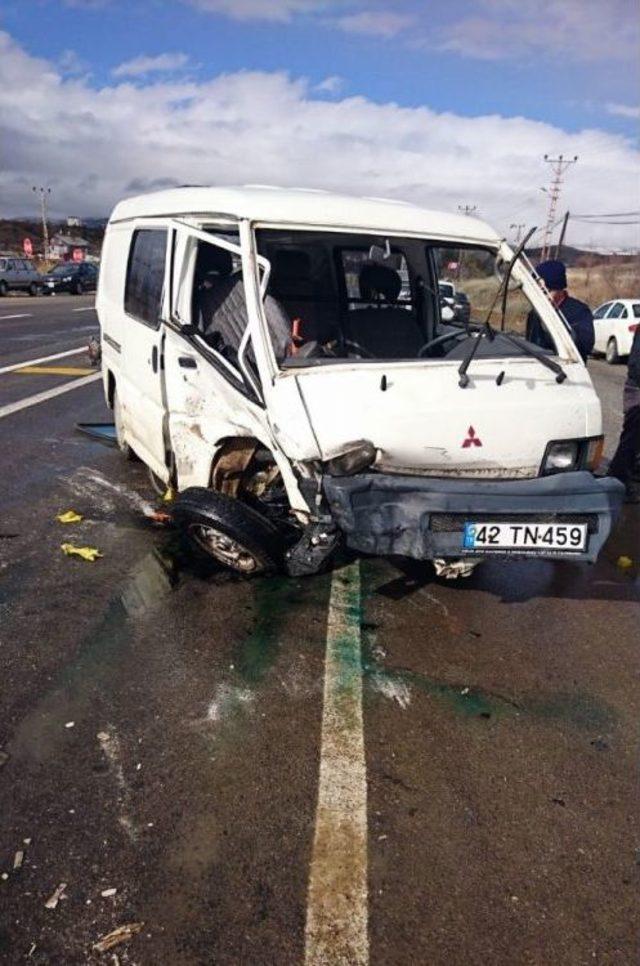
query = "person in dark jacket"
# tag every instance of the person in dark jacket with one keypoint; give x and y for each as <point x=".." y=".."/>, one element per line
<point x="577" y="314"/>
<point x="625" y="465"/>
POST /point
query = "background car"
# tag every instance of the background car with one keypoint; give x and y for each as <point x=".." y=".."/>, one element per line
<point x="19" y="274"/>
<point x="614" y="323"/>
<point x="75" y="277"/>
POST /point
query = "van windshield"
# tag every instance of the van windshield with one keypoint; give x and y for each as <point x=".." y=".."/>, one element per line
<point x="335" y="297"/>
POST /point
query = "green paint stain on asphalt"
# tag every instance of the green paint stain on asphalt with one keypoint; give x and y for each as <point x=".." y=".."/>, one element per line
<point x="275" y="599"/>
<point x="257" y="652"/>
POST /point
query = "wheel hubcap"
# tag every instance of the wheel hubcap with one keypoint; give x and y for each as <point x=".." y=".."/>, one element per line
<point x="224" y="548"/>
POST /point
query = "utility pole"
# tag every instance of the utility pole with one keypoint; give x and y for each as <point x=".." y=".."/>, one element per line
<point x="44" y="197"/>
<point x="563" y="232"/>
<point x="518" y="227"/>
<point x="467" y="209"/>
<point x="558" y="167"/>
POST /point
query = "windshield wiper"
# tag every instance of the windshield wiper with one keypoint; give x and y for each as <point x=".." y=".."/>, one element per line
<point x="536" y="354"/>
<point x="489" y="332"/>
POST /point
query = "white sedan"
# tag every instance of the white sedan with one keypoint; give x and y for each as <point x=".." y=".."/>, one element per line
<point x="614" y="323"/>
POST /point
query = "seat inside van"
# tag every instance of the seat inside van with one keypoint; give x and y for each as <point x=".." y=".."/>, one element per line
<point x="382" y="328"/>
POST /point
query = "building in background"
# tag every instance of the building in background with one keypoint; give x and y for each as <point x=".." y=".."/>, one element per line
<point x="68" y="248"/>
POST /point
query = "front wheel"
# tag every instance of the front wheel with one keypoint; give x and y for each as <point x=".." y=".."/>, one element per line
<point x="34" y="289"/>
<point x="79" y="288"/>
<point x="234" y="534"/>
<point x="4" y="288"/>
<point x="611" y="354"/>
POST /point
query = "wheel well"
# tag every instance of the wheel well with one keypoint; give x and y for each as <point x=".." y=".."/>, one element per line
<point x="111" y="388"/>
<point x="243" y="466"/>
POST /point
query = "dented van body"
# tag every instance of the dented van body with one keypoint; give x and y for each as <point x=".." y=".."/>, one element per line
<point x="286" y="349"/>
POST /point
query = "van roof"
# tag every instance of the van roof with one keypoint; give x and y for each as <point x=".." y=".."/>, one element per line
<point x="304" y="206"/>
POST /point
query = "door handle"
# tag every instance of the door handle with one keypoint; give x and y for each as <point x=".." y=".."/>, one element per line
<point x="187" y="362"/>
<point x="154" y="358"/>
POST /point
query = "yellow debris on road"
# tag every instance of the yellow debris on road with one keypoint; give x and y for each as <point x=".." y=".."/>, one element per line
<point x="87" y="553"/>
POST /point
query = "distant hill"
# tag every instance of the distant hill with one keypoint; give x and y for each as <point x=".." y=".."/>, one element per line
<point x="583" y="258"/>
<point x="13" y="231"/>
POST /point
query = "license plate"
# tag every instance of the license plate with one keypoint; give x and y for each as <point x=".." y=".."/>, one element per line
<point x="525" y="537"/>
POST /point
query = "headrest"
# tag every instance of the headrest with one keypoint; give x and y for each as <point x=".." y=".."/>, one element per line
<point x="291" y="265"/>
<point x="212" y="259"/>
<point x="376" y="279"/>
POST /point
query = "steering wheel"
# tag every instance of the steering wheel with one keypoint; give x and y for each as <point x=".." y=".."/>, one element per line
<point x="360" y="350"/>
<point x="440" y="339"/>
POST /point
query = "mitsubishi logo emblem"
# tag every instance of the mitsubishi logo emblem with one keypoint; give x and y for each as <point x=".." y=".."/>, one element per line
<point x="472" y="439"/>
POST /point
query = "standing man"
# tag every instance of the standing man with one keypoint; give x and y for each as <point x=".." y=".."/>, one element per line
<point x="577" y="314"/>
<point x="625" y="465"/>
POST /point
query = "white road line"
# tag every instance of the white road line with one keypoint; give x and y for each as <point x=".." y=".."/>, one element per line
<point x="47" y="394"/>
<point x="337" y="928"/>
<point x="37" y="362"/>
<point x="22" y="315"/>
<point x="86" y="308"/>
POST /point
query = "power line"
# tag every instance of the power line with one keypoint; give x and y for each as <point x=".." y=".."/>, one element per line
<point x="558" y="167"/>
<point x="611" y="214"/>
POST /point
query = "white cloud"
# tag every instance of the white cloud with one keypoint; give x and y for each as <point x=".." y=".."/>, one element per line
<point x="280" y="11"/>
<point x="93" y="146"/>
<point x="624" y="110"/>
<point x="574" y="30"/>
<point x="70" y="63"/>
<point x="330" y="85"/>
<point x="142" y="65"/>
<point x="375" y="23"/>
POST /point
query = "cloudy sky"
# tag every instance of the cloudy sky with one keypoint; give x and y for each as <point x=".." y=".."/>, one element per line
<point x="443" y="103"/>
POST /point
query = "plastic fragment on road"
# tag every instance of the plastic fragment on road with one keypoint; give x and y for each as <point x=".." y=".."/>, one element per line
<point x="169" y="495"/>
<point x="102" y="432"/>
<point x="54" y="899"/>
<point x="119" y="935"/>
<point x="624" y="562"/>
<point x="18" y="859"/>
<point x="107" y="893"/>
<point x="4" y="757"/>
<point x="69" y="516"/>
<point x="87" y="553"/>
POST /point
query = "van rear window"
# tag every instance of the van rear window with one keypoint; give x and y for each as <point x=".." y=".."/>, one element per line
<point x="145" y="275"/>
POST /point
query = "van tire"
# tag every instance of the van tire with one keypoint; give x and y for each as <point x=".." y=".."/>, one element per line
<point x="123" y="446"/>
<point x="34" y="289"/>
<point x="611" y="354"/>
<point x="4" y="288"/>
<point x="229" y="531"/>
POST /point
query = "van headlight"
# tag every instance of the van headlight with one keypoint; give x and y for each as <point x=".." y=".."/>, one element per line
<point x="565" y="455"/>
<point x="354" y="458"/>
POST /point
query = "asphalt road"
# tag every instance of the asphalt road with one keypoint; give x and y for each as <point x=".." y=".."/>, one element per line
<point x="162" y="728"/>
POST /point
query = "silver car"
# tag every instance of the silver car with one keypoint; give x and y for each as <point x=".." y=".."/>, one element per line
<point x="20" y="274"/>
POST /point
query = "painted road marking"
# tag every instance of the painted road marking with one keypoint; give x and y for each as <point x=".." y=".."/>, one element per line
<point x="85" y="308"/>
<point x="36" y="362"/>
<point x="23" y="315"/>
<point x="336" y="928"/>
<point x="54" y="371"/>
<point x="48" y="394"/>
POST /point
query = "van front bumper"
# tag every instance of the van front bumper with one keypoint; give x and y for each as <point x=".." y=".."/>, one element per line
<point x="424" y="518"/>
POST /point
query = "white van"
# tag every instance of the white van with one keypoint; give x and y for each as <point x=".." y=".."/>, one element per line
<point x="279" y="358"/>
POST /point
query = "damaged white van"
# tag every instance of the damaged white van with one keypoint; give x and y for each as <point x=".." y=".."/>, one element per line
<point x="285" y="361"/>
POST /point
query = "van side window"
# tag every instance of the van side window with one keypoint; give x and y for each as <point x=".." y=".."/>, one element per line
<point x="145" y="275"/>
<point x="219" y="306"/>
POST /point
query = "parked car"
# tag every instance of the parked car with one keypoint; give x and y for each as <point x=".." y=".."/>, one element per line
<point x="74" y="277"/>
<point x="19" y="274"/>
<point x="454" y="303"/>
<point x="614" y="323"/>
<point x="259" y="356"/>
